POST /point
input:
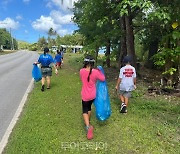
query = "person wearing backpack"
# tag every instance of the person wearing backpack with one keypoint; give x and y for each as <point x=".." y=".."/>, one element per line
<point x="89" y="77"/>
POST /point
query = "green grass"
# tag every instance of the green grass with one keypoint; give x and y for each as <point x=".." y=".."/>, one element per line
<point x="7" y="52"/>
<point x="51" y="122"/>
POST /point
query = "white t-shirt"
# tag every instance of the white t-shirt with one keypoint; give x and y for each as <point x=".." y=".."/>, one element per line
<point x="127" y="75"/>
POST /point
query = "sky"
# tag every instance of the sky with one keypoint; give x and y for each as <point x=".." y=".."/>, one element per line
<point x="28" y="20"/>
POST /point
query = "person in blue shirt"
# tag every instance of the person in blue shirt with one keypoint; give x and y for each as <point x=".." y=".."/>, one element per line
<point x="45" y="60"/>
<point x="58" y="59"/>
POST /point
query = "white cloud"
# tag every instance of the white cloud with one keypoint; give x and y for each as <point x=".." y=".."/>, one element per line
<point x="61" y="19"/>
<point x="55" y="20"/>
<point x="9" y="23"/>
<point x="44" y="24"/>
<point x="19" y="17"/>
<point x="63" y="4"/>
<point x="63" y="32"/>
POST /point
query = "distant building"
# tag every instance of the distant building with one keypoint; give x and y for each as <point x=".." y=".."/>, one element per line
<point x="74" y="48"/>
<point x="54" y="48"/>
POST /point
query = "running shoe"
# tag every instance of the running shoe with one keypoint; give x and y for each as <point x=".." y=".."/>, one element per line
<point x="123" y="109"/>
<point x="90" y="133"/>
<point x="42" y="88"/>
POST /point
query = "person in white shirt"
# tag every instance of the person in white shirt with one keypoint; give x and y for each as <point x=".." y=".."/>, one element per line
<point x="126" y="83"/>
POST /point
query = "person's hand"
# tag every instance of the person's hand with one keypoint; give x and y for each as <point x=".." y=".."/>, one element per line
<point x="35" y="63"/>
<point x="116" y="88"/>
<point x="135" y="87"/>
<point x="56" y="71"/>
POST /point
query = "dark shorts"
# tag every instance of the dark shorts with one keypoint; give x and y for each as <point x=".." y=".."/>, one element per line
<point x="86" y="106"/>
<point x="46" y="71"/>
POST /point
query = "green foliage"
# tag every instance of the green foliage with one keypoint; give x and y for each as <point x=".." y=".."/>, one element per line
<point x="170" y="71"/>
<point x="168" y="56"/>
<point x="74" y="39"/>
<point x="6" y="40"/>
<point x="42" y="43"/>
<point x="33" y="47"/>
<point x="23" y="45"/>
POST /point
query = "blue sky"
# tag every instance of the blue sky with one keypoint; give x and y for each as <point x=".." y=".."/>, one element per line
<point x="31" y="19"/>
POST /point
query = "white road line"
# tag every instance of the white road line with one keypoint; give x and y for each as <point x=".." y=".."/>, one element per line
<point x="4" y="140"/>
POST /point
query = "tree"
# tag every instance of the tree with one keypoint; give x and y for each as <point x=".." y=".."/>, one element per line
<point x="5" y="39"/>
<point x="42" y="43"/>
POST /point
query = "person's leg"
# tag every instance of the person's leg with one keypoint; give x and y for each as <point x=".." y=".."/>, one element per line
<point x="86" y="106"/>
<point x="89" y="115"/>
<point x="89" y="109"/>
<point x="122" y="98"/>
<point x="48" y="81"/>
<point x="86" y="119"/>
<point x="123" y="104"/>
<point x="43" y="82"/>
<point x="127" y="95"/>
<point x="126" y="99"/>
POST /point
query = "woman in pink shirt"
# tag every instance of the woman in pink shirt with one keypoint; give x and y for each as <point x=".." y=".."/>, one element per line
<point x="89" y="76"/>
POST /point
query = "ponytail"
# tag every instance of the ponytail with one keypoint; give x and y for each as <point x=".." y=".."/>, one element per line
<point x="89" y="74"/>
<point x="46" y="50"/>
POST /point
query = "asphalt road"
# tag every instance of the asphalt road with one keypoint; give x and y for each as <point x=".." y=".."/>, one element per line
<point x="15" y="77"/>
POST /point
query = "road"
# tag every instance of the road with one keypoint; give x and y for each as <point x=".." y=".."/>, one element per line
<point x="15" y="77"/>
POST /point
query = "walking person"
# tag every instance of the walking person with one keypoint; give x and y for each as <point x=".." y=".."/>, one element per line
<point x="58" y="59"/>
<point x="126" y="83"/>
<point x="89" y="76"/>
<point x="45" y="60"/>
<point x="62" y="55"/>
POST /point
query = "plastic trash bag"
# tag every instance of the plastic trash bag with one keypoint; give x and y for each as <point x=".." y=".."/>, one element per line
<point x="102" y="101"/>
<point x="36" y="73"/>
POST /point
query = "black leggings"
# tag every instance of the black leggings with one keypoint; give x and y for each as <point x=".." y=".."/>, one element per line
<point x="86" y="106"/>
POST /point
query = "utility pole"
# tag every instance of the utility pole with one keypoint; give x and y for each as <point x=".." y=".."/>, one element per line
<point x="12" y="41"/>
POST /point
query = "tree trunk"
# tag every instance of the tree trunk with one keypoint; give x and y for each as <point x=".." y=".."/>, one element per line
<point x="153" y="48"/>
<point x="108" y="51"/>
<point x="130" y="39"/>
<point x="123" y="49"/>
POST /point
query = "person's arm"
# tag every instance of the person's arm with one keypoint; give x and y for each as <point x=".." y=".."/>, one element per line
<point x="134" y="83"/>
<point x="100" y="75"/>
<point x="119" y="79"/>
<point x="134" y="79"/>
<point x="36" y="62"/>
<point x="52" y="61"/>
<point x="56" y="71"/>
<point x="118" y="83"/>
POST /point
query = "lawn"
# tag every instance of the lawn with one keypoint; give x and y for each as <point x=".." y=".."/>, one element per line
<point x="51" y="122"/>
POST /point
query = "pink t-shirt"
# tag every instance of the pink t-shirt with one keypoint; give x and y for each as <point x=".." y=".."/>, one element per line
<point x="88" y="91"/>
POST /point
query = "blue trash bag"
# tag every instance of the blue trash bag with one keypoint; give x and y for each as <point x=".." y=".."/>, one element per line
<point x="102" y="101"/>
<point x="36" y="73"/>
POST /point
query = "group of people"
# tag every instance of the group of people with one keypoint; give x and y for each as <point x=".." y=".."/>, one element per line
<point x="126" y="83"/>
<point x="89" y="75"/>
<point x="46" y="61"/>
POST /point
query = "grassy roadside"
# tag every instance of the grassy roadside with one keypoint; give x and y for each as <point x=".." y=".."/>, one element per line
<point x="7" y="52"/>
<point x="52" y="123"/>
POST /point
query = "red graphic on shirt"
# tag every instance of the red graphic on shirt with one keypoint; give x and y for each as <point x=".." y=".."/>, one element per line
<point x="128" y="72"/>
